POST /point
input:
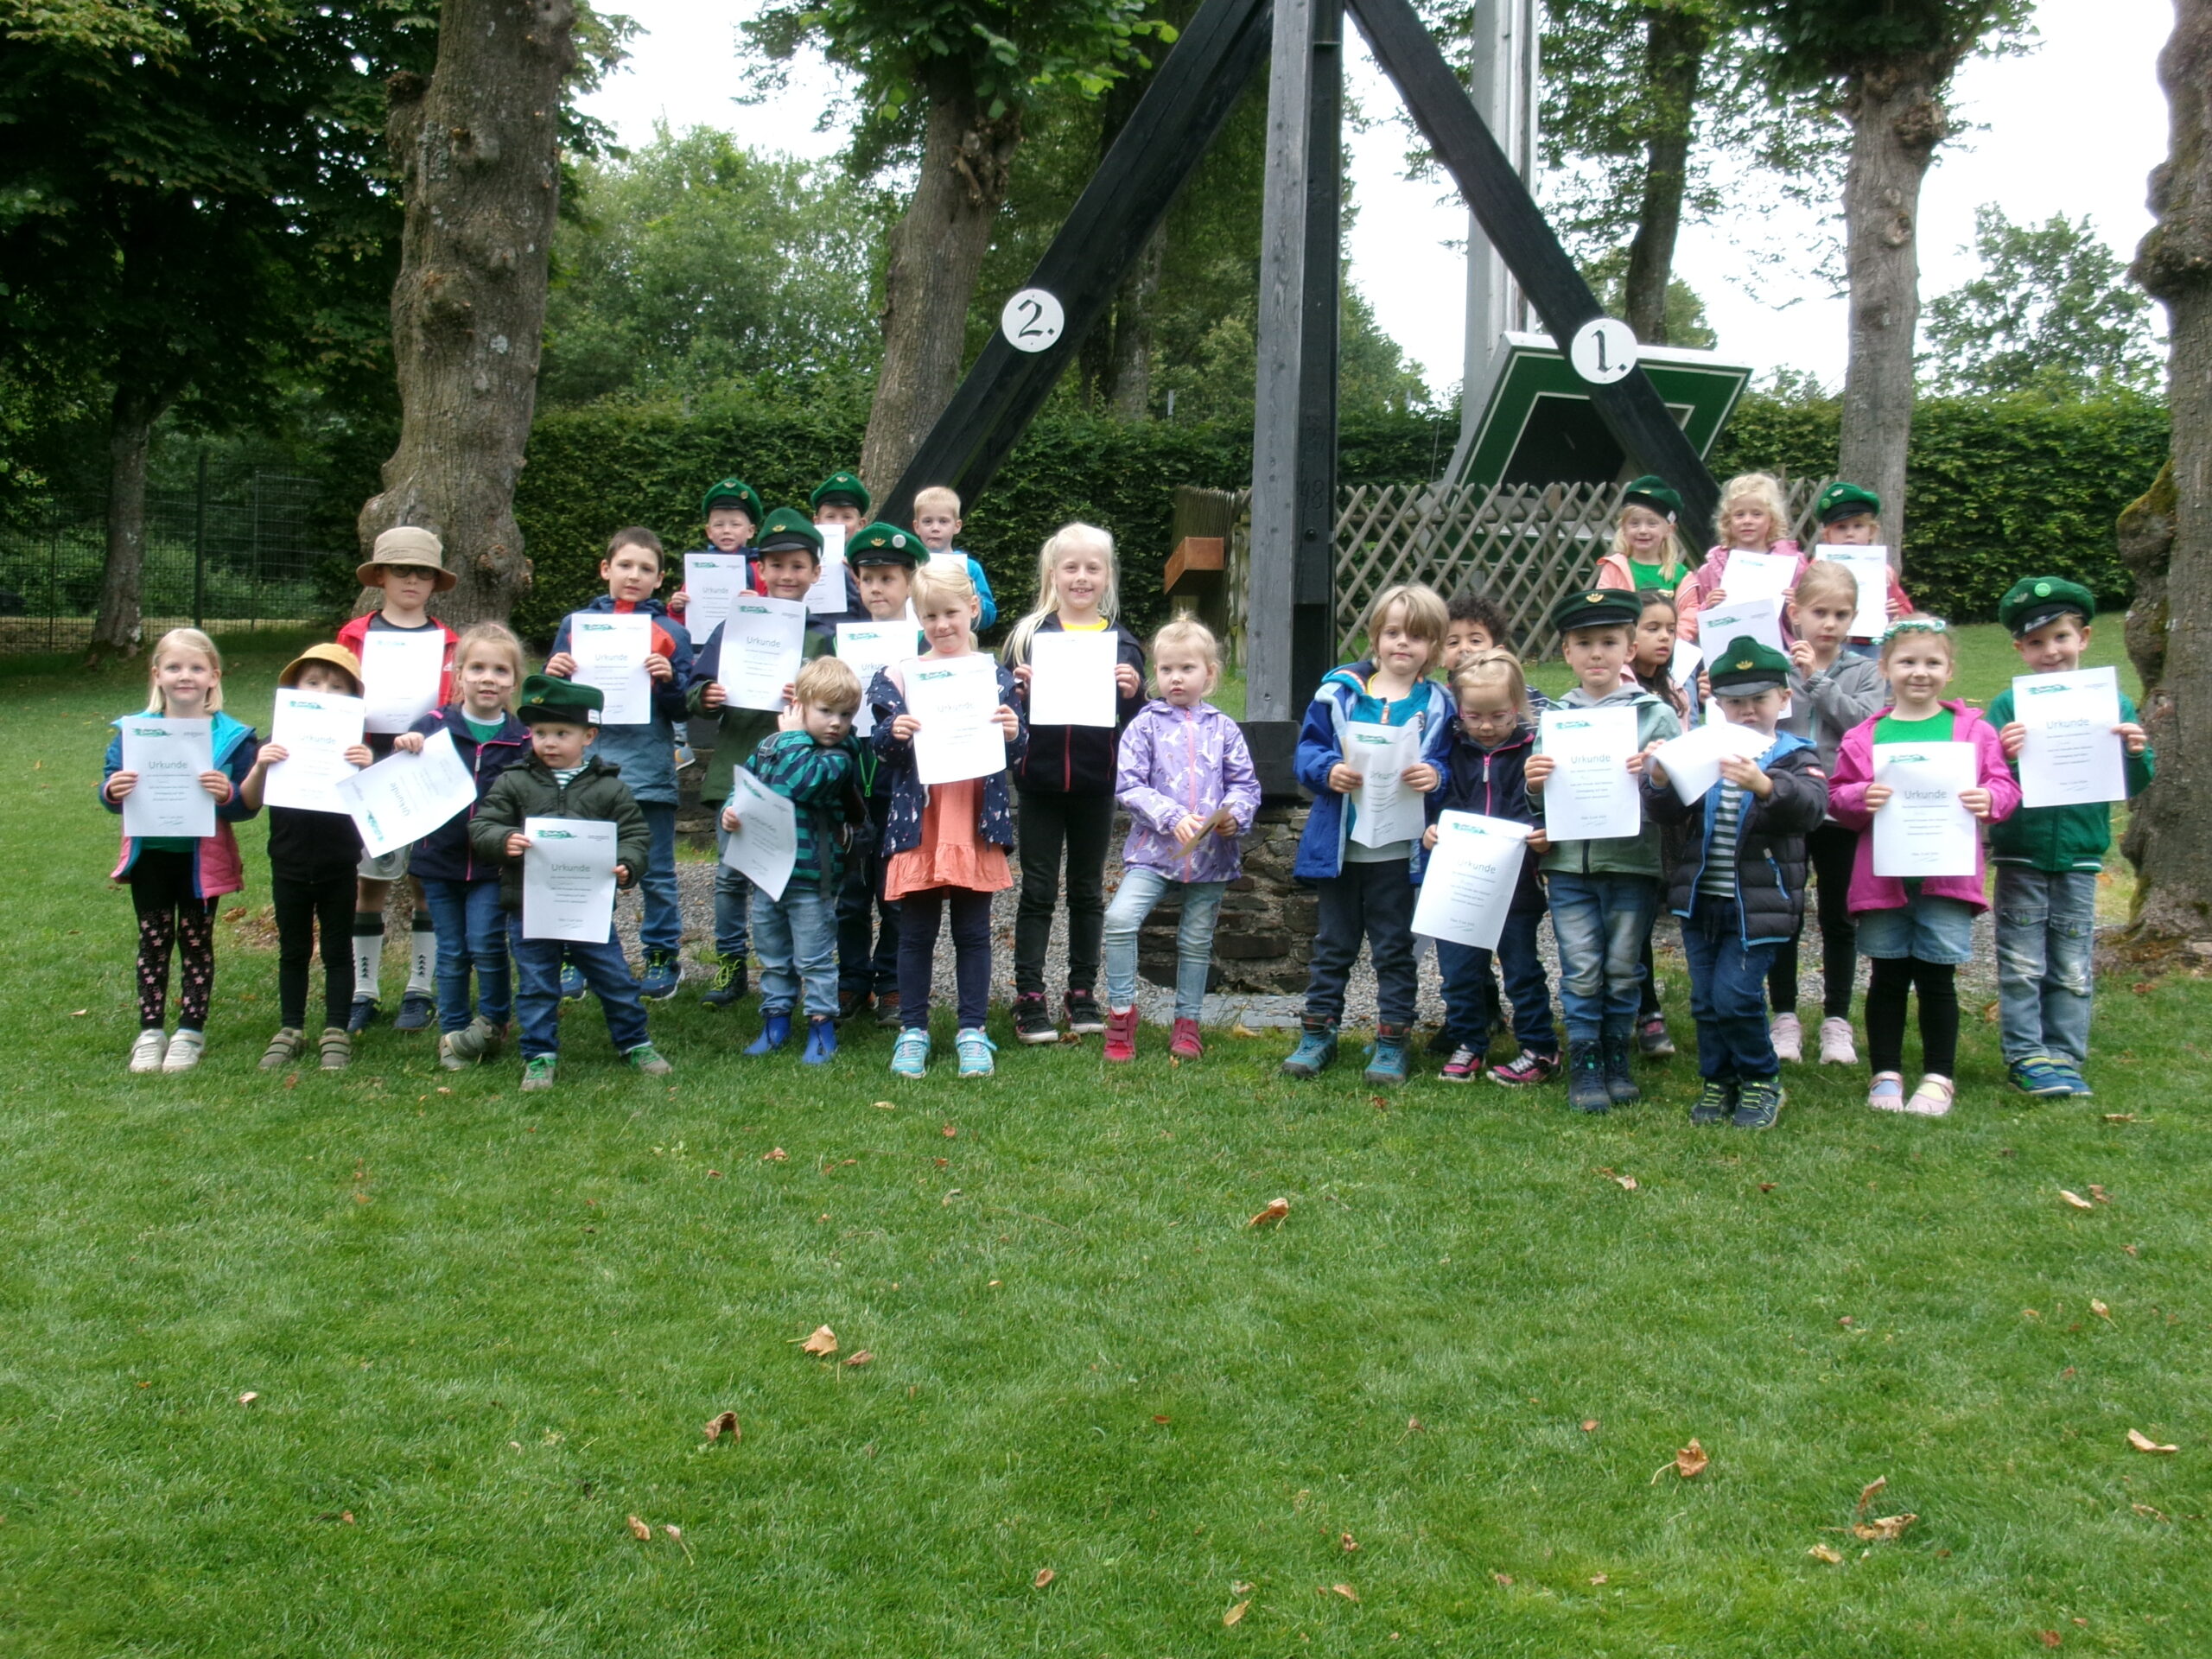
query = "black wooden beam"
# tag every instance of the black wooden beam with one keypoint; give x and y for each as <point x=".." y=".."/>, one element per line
<point x="1631" y="408"/>
<point x="1149" y="161"/>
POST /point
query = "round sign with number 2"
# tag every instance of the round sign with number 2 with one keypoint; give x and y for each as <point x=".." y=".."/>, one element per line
<point x="1032" y="321"/>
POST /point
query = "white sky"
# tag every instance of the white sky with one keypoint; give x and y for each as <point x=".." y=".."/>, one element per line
<point x="2072" y="128"/>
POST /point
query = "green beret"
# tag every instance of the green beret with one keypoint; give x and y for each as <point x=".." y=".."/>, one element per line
<point x="732" y="492"/>
<point x="544" y="698"/>
<point x="2034" y="601"/>
<point x="841" y="489"/>
<point x="786" y="531"/>
<point x="1841" y="500"/>
<point x="1597" y="608"/>
<point x="882" y="544"/>
<point x="1747" y="667"/>
<point x="1653" y="492"/>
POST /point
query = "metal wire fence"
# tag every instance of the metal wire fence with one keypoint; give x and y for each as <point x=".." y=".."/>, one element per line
<point x="235" y="551"/>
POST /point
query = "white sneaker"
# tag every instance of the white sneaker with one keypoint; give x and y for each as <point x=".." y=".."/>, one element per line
<point x="1789" y="1038"/>
<point x="1838" y="1045"/>
<point x="1932" y="1098"/>
<point x="184" y="1051"/>
<point x="146" y="1053"/>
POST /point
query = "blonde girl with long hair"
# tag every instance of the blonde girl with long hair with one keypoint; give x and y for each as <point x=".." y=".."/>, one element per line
<point x="1753" y="518"/>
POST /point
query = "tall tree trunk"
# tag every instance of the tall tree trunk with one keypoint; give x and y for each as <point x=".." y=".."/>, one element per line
<point x="935" y="253"/>
<point x="131" y="415"/>
<point x="476" y="151"/>
<point x="1129" y="376"/>
<point x="1897" y="118"/>
<point x="1674" y="44"/>
<point x="2170" y="629"/>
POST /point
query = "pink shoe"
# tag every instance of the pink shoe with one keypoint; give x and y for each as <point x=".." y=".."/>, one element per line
<point x="1121" y="1035"/>
<point x="1185" y="1044"/>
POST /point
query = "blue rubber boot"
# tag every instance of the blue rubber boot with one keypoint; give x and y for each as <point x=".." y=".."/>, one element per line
<point x="821" y="1042"/>
<point x="775" y="1031"/>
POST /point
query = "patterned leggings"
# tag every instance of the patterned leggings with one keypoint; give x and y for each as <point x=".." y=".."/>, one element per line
<point x="169" y="914"/>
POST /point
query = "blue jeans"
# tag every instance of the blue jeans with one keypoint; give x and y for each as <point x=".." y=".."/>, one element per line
<point x="2046" y="934"/>
<point x="471" y="933"/>
<point x="537" y="989"/>
<point x="1728" y="994"/>
<point x="662" y="929"/>
<point x="1142" y="887"/>
<point x="1469" y="989"/>
<point x="795" y="936"/>
<point x="1600" y="922"/>
<point x="1376" y="902"/>
<point x="731" y="892"/>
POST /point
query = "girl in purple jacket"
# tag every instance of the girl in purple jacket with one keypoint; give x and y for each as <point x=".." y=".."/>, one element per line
<point x="1916" y="930"/>
<point x="1186" y="780"/>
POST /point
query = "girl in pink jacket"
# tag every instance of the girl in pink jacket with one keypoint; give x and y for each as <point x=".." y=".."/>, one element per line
<point x="1753" y="520"/>
<point x="1916" y="931"/>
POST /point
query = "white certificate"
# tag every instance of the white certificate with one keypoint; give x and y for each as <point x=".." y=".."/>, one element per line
<point x="400" y="672"/>
<point x="405" y="796"/>
<point x="711" y="580"/>
<point x="1921" y="830"/>
<point x="1384" y="810"/>
<point x="568" y="880"/>
<point x="1681" y="667"/>
<point x="316" y="729"/>
<point x="1468" y="885"/>
<point x="1871" y="565"/>
<point x="1590" y="794"/>
<point x="610" y="653"/>
<point x="953" y="700"/>
<point x="765" y="845"/>
<point x="1692" y="761"/>
<point x="868" y="648"/>
<point x="827" y="596"/>
<point x="169" y="755"/>
<point x="1720" y="625"/>
<point x="1757" y="575"/>
<point x="1072" y="678"/>
<point x="2072" y="756"/>
<point x="763" y="643"/>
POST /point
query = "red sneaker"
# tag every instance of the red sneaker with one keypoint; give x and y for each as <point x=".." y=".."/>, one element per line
<point x="1122" y="1034"/>
<point x="1185" y="1044"/>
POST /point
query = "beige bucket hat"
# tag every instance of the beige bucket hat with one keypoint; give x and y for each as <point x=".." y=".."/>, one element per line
<point x="408" y="544"/>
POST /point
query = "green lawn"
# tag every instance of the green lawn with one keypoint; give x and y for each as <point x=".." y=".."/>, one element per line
<point x="483" y="1330"/>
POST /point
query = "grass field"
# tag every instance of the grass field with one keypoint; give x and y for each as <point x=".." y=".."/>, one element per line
<point x="481" y="1332"/>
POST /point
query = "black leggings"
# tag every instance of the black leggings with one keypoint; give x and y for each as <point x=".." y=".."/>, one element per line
<point x="1830" y="848"/>
<point x="305" y="908"/>
<point x="919" y="915"/>
<point x="171" y="916"/>
<point x="1894" y="979"/>
<point x="1083" y="826"/>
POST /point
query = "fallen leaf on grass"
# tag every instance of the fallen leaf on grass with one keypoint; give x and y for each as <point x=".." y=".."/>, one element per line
<point x="2119" y="1117"/>
<point x="1241" y="1588"/>
<point x="1882" y="1528"/>
<point x="1045" y="1576"/>
<point x="860" y="1357"/>
<point x="1239" y="1029"/>
<point x="2143" y="1442"/>
<point x="2075" y="1200"/>
<point x="2099" y="1193"/>
<point x="1229" y="1620"/>
<point x="885" y="1106"/>
<point x="78" y="1013"/>
<point x="1766" y="1186"/>
<point x="2098" y="1309"/>
<point x="1597" y="1577"/>
<point x="1589" y="1425"/>
<point x="640" y="1531"/>
<point x="2052" y="1638"/>
<point x="1158" y="1418"/>
<point x="1276" y="1210"/>
<point x="1415" y="1426"/>
<point x="950" y="1132"/>
<point x="723" y="1423"/>
<point x="775" y="1155"/>
<point x="248" y="1397"/>
<point x="1345" y="1590"/>
<point x="1688" y="1463"/>
<point x="2148" y="1513"/>
<point x="1505" y="1579"/>
<point x="1823" y="1552"/>
<point x="1349" y="1542"/>
<point x="823" y="1342"/>
<point x="1867" y="1491"/>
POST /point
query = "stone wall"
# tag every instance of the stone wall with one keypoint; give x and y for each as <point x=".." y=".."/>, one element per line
<point x="1265" y="937"/>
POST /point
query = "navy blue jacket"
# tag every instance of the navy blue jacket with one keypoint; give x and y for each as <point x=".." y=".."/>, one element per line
<point x="444" y="854"/>
<point x="1080" y="759"/>
<point x="903" y="828"/>
<point x="1494" y="783"/>
<point x="1769" y="840"/>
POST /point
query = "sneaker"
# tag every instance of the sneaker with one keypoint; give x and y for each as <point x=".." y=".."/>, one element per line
<point x="184" y="1051"/>
<point x="1185" y="1044"/>
<point x="477" y="1040"/>
<point x="1788" y="1034"/>
<point x="1652" y="1039"/>
<point x="416" y="1009"/>
<point x="335" y="1051"/>
<point x="1715" y="1102"/>
<point x="573" y="984"/>
<point x="1932" y="1098"/>
<point x="1316" y="1052"/>
<point x="821" y="1042"/>
<point x="1760" y="1103"/>
<point x="2039" y="1074"/>
<point x="1837" y="1047"/>
<point x="284" y="1047"/>
<point x="1525" y="1069"/>
<point x="1586" y="1075"/>
<point x="1614" y="1050"/>
<point x="1387" y="1064"/>
<point x="662" y="978"/>
<point x="727" y="986"/>
<point x="1464" y="1065"/>
<point x="537" y="1071"/>
<point x="362" y="1014"/>
<point x="147" y="1053"/>
<point x="1032" y="1021"/>
<point x="1886" y="1092"/>
<point x="648" y="1060"/>
<point x="1121" y="1035"/>
<point x="852" y="1002"/>
<point x="910" y="1055"/>
<point x="1085" y="1018"/>
<point x="974" y="1050"/>
<point x="887" y="1009"/>
<point x="2076" y="1084"/>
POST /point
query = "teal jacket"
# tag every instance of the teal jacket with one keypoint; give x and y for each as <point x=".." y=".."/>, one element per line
<point x="2059" y="839"/>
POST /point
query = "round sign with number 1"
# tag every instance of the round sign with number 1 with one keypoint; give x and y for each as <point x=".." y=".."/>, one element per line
<point x="1604" y="351"/>
<point x="1032" y="321"/>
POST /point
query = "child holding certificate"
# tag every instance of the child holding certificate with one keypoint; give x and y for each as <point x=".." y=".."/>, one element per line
<point x="945" y="845"/>
<point x="1385" y="706"/>
<point x="2048" y="857"/>
<point x="731" y="510"/>
<point x="1065" y="782"/>
<point x="1851" y="516"/>
<point x="1753" y="520"/>
<point x="1917" y="930"/>
<point x="1739" y="887"/>
<point x="1647" y="556"/>
<point x="884" y="560"/>
<point x="175" y="880"/>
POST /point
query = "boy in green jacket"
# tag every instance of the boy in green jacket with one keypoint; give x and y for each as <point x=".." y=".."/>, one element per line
<point x="561" y="780"/>
<point x="2048" y="859"/>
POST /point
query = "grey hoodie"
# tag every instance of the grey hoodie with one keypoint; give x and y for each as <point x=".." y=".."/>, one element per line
<point x="1825" y="705"/>
<point x="1636" y="855"/>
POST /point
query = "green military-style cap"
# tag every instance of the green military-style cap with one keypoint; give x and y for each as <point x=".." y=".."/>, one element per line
<point x="1654" y="491"/>
<point x="1841" y="500"/>
<point x="841" y="490"/>
<point x="1746" y="668"/>
<point x="732" y="492"/>
<point x="1597" y="608"/>
<point x="2033" y="602"/>
<point x="786" y="531"/>
<point x="546" y="698"/>
<point x="882" y="544"/>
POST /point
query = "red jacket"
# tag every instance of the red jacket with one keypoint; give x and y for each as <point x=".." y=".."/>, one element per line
<point x="355" y="632"/>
